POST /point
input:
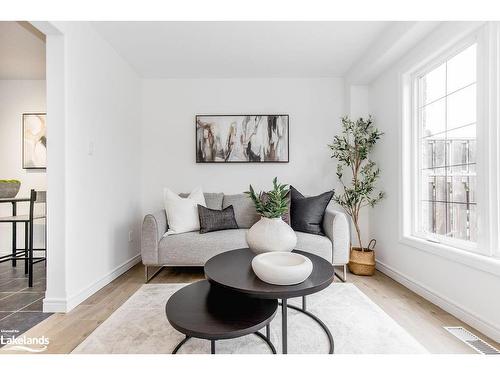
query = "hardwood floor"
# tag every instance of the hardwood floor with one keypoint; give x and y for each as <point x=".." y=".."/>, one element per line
<point x="421" y="318"/>
<point x="418" y="316"/>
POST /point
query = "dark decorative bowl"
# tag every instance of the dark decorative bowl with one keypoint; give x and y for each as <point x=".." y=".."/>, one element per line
<point x="9" y="188"/>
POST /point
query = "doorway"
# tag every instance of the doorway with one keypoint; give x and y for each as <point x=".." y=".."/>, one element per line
<point x="23" y="177"/>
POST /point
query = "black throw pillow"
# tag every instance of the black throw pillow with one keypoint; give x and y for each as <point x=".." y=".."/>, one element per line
<point x="307" y="212"/>
<point x="212" y="220"/>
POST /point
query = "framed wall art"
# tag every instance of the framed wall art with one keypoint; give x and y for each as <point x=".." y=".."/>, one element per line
<point x="242" y="139"/>
<point x="34" y="141"/>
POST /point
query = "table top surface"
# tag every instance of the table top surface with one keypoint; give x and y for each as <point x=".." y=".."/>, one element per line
<point x="205" y="311"/>
<point x="15" y="199"/>
<point x="233" y="270"/>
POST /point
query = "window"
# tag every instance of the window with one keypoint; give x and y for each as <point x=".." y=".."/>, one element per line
<point x="450" y="155"/>
<point x="445" y="121"/>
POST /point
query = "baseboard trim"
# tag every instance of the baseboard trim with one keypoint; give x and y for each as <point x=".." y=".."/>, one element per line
<point x="66" y="305"/>
<point x="451" y="307"/>
<point x="54" y="305"/>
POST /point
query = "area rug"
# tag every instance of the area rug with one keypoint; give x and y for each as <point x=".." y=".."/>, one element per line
<point x="357" y="324"/>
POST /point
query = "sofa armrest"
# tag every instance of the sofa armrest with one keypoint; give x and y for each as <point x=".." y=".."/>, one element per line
<point x="154" y="227"/>
<point x="336" y="227"/>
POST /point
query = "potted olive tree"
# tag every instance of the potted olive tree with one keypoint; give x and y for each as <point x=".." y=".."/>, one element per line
<point x="351" y="149"/>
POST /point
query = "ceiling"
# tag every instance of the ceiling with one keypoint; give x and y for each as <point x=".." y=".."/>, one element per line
<point x="240" y="49"/>
<point x="22" y="51"/>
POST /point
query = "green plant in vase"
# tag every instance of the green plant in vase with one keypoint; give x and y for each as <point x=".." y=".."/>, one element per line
<point x="9" y="188"/>
<point x="271" y="233"/>
<point x="272" y="204"/>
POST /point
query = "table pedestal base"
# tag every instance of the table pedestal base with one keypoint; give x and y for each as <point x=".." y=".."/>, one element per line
<point x="265" y="338"/>
<point x="284" y="317"/>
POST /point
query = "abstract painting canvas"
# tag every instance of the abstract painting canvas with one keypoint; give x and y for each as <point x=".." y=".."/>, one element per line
<point x="34" y="141"/>
<point x="242" y="139"/>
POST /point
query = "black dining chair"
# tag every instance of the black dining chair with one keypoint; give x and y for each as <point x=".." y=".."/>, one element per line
<point x="36" y="198"/>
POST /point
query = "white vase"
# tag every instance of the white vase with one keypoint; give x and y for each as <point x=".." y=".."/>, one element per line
<point x="271" y="235"/>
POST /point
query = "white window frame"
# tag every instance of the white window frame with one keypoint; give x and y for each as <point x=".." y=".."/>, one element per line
<point x="488" y="207"/>
<point x="417" y="135"/>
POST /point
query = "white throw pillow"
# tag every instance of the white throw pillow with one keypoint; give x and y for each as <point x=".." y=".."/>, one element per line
<point x="182" y="213"/>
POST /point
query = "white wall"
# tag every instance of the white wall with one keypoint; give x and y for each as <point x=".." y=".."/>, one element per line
<point x="18" y="97"/>
<point x="169" y="108"/>
<point x="466" y="292"/>
<point x="358" y="98"/>
<point x="99" y="110"/>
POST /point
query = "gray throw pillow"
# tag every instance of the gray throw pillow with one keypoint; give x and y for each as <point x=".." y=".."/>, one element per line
<point x="213" y="220"/>
<point x="307" y="212"/>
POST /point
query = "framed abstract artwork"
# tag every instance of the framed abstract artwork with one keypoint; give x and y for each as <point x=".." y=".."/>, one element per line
<point x="34" y="141"/>
<point x="242" y="139"/>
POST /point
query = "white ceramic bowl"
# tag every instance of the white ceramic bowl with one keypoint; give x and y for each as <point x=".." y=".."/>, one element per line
<point x="282" y="268"/>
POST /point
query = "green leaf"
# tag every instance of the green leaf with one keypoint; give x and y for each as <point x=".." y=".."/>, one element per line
<point x="275" y="205"/>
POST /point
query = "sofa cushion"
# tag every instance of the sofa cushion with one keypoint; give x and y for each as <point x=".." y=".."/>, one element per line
<point x="244" y="209"/>
<point x="213" y="220"/>
<point x="182" y="213"/>
<point x="307" y="212"/>
<point x="212" y="200"/>
<point x="314" y="244"/>
<point x="194" y="249"/>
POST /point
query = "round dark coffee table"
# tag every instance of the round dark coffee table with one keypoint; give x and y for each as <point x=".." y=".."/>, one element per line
<point x="208" y="312"/>
<point x="233" y="271"/>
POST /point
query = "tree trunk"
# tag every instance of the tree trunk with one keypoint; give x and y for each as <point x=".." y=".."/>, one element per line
<point x="358" y="232"/>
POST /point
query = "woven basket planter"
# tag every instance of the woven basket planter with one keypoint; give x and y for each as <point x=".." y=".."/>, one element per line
<point x="362" y="263"/>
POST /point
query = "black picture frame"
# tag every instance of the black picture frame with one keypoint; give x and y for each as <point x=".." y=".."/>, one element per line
<point x="24" y="166"/>
<point x="198" y="161"/>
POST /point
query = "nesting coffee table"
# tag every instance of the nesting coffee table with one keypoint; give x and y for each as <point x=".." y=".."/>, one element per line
<point x="234" y="302"/>
<point x="233" y="270"/>
<point x="208" y="312"/>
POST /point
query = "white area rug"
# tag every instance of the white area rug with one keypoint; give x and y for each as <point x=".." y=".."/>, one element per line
<point x="357" y="324"/>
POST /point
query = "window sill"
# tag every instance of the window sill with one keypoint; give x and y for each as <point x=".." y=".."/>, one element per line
<point x="477" y="261"/>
